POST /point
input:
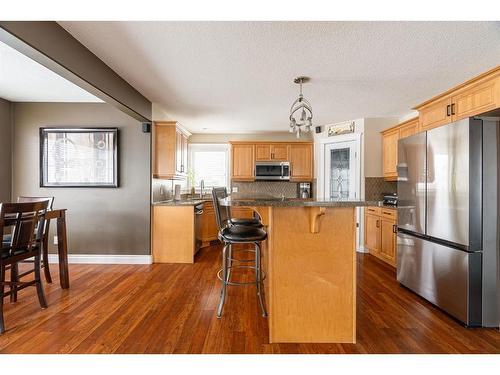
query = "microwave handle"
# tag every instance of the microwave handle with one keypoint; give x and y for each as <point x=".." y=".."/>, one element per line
<point x="282" y="171"/>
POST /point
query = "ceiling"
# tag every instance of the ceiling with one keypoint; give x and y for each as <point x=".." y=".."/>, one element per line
<point x="236" y="77"/>
<point x="24" y="80"/>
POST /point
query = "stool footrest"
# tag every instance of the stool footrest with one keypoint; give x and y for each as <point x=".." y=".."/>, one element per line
<point x="235" y="283"/>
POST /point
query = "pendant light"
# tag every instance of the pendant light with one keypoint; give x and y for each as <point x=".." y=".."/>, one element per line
<point x="303" y="107"/>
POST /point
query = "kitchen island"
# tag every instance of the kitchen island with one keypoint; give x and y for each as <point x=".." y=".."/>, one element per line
<point x="310" y="263"/>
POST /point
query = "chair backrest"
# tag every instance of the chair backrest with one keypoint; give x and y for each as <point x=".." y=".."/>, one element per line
<point x="222" y="213"/>
<point x="24" y="218"/>
<point x="24" y="199"/>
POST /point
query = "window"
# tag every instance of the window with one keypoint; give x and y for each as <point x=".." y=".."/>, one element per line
<point x="208" y="162"/>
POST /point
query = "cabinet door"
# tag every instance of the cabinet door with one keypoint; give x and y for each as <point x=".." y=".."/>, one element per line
<point x="243" y="162"/>
<point x="178" y="152"/>
<point x="209" y="229"/>
<point x="279" y="152"/>
<point x="301" y="162"/>
<point x="372" y="233"/>
<point x="262" y="152"/>
<point x="435" y="115"/>
<point x="388" y="240"/>
<point x="408" y="129"/>
<point x="390" y="154"/>
<point x="184" y="154"/>
<point x="477" y="99"/>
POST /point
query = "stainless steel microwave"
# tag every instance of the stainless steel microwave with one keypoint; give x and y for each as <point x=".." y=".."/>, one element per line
<point x="272" y="170"/>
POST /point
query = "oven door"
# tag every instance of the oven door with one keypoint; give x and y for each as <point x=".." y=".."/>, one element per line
<point x="272" y="171"/>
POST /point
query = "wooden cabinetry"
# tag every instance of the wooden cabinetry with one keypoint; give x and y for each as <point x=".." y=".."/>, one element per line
<point x="301" y="162"/>
<point x="173" y="234"/>
<point x="243" y="162"/>
<point x="270" y="152"/>
<point x="390" y="138"/>
<point x="209" y="229"/>
<point x="245" y="154"/>
<point x="380" y="233"/>
<point x="476" y="96"/>
<point x="390" y="153"/>
<point x="170" y="150"/>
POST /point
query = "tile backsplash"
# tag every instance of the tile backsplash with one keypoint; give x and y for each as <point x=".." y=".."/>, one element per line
<point x="272" y="188"/>
<point x="375" y="187"/>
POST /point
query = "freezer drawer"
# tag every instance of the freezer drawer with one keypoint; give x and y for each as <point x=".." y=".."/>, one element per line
<point x="447" y="277"/>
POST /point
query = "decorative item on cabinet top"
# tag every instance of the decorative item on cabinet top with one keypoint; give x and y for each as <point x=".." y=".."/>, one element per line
<point x="341" y="128"/>
<point x="170" y="151"/>
<point x="244" y="155"/>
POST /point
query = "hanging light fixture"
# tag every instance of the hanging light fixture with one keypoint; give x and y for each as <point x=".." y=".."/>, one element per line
<point x="301" y="111"/>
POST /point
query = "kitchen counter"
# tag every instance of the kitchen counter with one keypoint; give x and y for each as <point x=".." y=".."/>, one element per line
<point x="182" y="202"/>
<point x="309" y="259"/>
<point x="292" y="202"/>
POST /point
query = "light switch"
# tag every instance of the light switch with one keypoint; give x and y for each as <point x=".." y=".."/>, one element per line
<point x="235" y="189"/>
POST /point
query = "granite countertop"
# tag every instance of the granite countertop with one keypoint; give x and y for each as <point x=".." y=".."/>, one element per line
<point x="182" y="202"/>
<point x="256" y="201"/>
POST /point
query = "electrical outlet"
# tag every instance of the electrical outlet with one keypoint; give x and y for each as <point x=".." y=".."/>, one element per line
<point x="235" y="189"/>
<point x="55" y="240"/>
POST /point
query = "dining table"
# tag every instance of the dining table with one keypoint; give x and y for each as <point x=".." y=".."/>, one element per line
<point x="59" y="215"/>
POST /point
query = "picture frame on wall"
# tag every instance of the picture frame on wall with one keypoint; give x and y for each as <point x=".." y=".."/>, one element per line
<point x="79" y="157"/>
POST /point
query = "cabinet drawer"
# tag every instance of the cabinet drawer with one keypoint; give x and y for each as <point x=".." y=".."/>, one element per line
<point x="373" y="210"/>
<point x="385" y="212"/>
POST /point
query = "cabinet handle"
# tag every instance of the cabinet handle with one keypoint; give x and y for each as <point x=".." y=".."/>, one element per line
<point x="453" y="108"/>
<point x="394" y="228"/>
<point x="378" y="224"/>
<point x="448" y="110"/>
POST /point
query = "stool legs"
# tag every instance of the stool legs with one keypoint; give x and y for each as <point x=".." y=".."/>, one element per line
<point x="225" y="276"/>
<point x="258" y="281"/>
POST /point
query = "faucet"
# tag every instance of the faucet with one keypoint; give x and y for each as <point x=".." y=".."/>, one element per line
<point x="202" y="186"/>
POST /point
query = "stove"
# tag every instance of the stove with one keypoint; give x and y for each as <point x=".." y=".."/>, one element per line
<point x="390" y="199"/>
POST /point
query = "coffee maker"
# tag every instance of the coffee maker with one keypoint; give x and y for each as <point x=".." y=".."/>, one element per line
<point x="304" y="190"/>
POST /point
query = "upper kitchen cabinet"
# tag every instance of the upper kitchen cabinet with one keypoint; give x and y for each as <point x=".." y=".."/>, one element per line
<point x="390" y="153"/>
<point x="170" y="150"/>
<point x="476" y="96"/>
<point x="243" y="161"/>
<point x="245" y="154"/>
<point x="271" y="151"/>
<point x="301" y="161"/>
<point x="390" y="138"/>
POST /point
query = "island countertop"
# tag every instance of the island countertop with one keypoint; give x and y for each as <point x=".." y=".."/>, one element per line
<point x="266" y="201"/>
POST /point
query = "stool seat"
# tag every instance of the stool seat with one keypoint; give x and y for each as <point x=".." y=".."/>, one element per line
<point x="239" y="233"/>
<point x="247" y="222"/>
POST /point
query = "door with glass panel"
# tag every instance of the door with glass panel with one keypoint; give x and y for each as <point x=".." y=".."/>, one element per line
<point x="340" y="170"/>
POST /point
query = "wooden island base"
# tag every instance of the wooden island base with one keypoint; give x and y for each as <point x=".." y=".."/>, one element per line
<point x="309" y="259"/>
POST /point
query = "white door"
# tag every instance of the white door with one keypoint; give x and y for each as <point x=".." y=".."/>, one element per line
<point x="340" y="170"/>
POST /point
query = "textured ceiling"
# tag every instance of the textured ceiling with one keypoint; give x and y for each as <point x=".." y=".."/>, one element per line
<point x="237" y="76"/>
<point x="24" y="80"/>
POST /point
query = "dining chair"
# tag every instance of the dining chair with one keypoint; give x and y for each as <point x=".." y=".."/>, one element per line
<point x="45" y="238"/>
<point x="26" y="220"/>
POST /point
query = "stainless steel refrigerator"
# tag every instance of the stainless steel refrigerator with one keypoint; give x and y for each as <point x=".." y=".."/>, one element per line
<point x="447" y="245"/>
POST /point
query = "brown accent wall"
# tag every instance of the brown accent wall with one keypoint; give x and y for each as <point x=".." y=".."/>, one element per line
<point x="100" y="220"/>
<point x="5" y="150"/>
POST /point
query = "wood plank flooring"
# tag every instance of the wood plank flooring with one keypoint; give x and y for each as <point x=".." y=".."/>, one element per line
<point x="170" y="308"/>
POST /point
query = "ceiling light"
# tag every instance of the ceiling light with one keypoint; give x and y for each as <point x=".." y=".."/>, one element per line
<point x="302" y="106"/>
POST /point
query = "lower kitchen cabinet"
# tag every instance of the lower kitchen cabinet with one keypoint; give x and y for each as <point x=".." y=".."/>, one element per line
<point x="381" y="233"/>
<point x="209" y="229"/>
<point x="173" y="234"/>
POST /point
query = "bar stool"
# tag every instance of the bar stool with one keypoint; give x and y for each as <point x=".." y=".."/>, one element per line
<point x="230" y="233"/>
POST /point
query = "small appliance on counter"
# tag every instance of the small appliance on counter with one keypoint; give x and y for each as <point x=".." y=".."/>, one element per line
<point x="390" y="199"/>
<point x="304" y="190"/>
<point x="177" y="192"/>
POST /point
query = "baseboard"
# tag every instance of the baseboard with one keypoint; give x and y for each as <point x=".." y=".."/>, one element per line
<point x="103" y="259"/>
<point x="362" y="249"/>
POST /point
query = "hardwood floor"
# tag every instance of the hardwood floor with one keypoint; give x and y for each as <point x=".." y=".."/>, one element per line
<point x="170" y="308"/>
